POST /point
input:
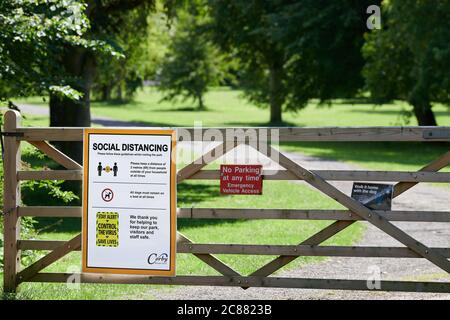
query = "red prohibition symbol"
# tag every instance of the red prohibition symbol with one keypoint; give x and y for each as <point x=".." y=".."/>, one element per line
<point x="107" y="195"/>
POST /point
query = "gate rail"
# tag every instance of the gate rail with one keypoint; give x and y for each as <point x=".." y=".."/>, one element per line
<point x="355" y="211"/>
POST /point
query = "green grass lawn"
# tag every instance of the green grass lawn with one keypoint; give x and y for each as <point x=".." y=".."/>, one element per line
<point x="277" y="194"/>
<point x="203" y="194"/>
<point x="226" y="108"/>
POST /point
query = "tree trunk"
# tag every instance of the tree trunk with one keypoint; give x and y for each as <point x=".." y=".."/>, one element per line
<point x="119" y="94"/>
<point x="201" y="104"/>
<point x="276" y="92"/>
<point x="65" y="112"/>
<point x="424" y="114"/>
<point x="106" y="92"/>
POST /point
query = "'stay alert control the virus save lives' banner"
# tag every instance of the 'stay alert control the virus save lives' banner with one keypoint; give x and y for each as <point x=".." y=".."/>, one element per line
<point x="129" y="202"/>
<point x="241" y="179"/>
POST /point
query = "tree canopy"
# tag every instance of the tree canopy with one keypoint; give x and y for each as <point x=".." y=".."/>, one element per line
<point x="107" y="18"/>
<point x="142" y="40"/>
<point x="245" y="29"/>
<point x="32" y="35"/>
<point x="288" y="51"/>
<point x="324" y="41"/>
<point x="192" y="63"/>
<point x="409" y="58"/>
<point x="293" y="51"/>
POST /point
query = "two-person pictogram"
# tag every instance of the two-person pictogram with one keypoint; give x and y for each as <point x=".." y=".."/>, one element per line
<point x="107" y="169"/>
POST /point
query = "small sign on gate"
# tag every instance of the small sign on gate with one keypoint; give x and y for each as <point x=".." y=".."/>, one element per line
<point x="375" y="196"/>
<point x="241" y="179"/>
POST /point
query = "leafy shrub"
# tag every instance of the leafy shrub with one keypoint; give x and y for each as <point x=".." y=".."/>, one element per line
<point x="45" y="192"/>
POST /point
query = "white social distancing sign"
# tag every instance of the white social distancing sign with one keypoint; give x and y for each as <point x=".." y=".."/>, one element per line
<point x="129" y="202"/>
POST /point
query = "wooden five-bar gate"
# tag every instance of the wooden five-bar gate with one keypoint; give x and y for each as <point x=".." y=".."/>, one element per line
<point x="14" y="134"/>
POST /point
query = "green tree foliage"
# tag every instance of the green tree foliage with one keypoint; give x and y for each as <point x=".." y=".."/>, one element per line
<point x="107" y="18"/>
<point x="192" y="62"/>
<point x="45" y="192"/>
<point x="32" y="33"/>
<point x="244" y="27"/>
<point x="409" y="58"/>
<point x="323" y="40"/>
<point x="292" y="51"/>
<point x="143" y="40"/>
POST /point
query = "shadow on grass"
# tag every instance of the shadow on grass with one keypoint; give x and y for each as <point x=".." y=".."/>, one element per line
<point x="353" y="101"/>
<point x="149" y="108"/>
<point x="380" y="110"/>
<point x="121" y="123"/>
<point x="9" y="296"/>
<point x="183" y="109"/>
<point x="261" y="124"/>
<point x="199" y="223"/>
<point x="115" y="103"/>
<point x="192" y="195"/>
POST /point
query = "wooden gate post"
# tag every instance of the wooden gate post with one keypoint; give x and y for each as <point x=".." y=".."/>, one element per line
<point x="11" y="198"/>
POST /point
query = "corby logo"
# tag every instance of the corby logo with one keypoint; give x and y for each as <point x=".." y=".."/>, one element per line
<point x="154" y="258"/>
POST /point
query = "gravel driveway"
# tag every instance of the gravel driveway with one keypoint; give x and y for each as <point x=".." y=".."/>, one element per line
<point x="421" y="197"/>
